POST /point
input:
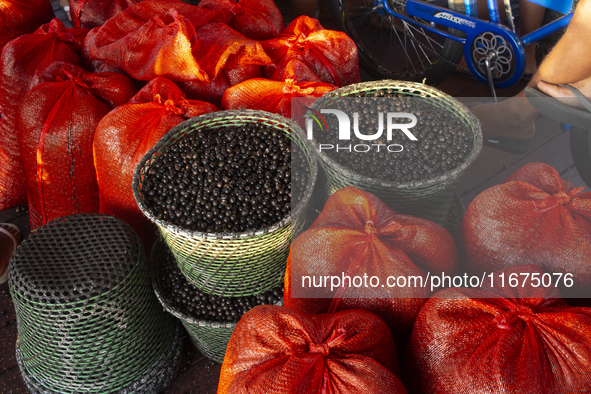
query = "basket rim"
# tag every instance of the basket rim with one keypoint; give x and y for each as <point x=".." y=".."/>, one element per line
<point x="248" y="116"/>
<point x="166" y="374"/>
<point x="432" y="93"/>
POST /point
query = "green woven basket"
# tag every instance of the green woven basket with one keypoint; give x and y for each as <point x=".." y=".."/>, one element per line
<point x="88" y="321"/>
<point x="428" y="199"/>
<point x="230" y="264"/>
<point x="211" y="338"/>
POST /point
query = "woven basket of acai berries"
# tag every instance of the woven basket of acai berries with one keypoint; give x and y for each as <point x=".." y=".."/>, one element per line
<point x="219" y="188"/>
<point x="415" y="177"/>
<point x="209" y="320"/>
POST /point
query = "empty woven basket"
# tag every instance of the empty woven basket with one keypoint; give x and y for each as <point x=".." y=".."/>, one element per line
<point x="88" y="320"/>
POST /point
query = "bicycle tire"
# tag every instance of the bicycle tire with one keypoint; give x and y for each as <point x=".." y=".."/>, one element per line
<point x="416" y="54"/>
<point x="580" y="148"/>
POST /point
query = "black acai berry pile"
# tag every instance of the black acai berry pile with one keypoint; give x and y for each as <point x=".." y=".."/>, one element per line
<point x="443" y="141"/>
<point x="230" y="179"/>
<point x="193" y="302"/>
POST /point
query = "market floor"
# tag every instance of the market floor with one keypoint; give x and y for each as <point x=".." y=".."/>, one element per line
<point x="198" y="374"/>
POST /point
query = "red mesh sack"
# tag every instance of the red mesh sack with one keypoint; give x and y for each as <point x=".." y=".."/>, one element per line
<point x="56" y="124"/>
<point x="331" y="55"/>
<point x="93" y="13"/>
<point x="20" y="17"/>
<point x="500" y="340"/>
<point x="228" y="58"/>
<point x="22" y="64"/>
<point x="534" y="217"/>
<point x="125" y="135"/>
<point x="213" y="91"/>
<point x="277" y="350"/>
<point x="256" y="19"/>
<point x="356" y="234"/>
<point x="272" y="96"/>
<point x="294" y="69"/>
<point x="153" y="38"/>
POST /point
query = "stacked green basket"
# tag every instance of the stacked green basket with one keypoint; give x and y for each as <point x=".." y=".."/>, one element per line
<point x="225" y="264"/>
<point x="430" y="199"/>
<point x="210" y="337"/>
<point x="230" y="264"/>
<point x="88" y="320"/>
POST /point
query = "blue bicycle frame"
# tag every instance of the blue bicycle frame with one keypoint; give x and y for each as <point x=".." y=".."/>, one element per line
<point x="473" y="28"/>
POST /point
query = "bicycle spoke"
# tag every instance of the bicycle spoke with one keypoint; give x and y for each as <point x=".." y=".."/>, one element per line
<point x="426" y="56"/>
<point x="394" y="47"/>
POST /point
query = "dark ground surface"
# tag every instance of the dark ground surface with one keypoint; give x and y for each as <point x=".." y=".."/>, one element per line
<point x="200" y="375"/>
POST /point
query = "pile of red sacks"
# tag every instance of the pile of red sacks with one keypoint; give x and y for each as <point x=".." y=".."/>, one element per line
<point x="58" y="84"/>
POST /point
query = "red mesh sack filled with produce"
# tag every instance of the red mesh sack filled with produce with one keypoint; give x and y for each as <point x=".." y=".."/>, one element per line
<point x="280" y="351"/>
<point x="534" y="217"/>
<point x="56" y="123"/>
<point x="357" y="235"/>
<point x="214" y="91"/>
<point x="20" y="17"/>
<point x="22" y="64"/>
<point x="522" y="339"/>
<point x="153" y="38"/>
<point x="93" y="13"/>
<point x="228" y="58"/>
<point x="271" y="96"/>
<point x="125" y="135"/>
<point x="256" y="19"/>
<point x="331" y="55"/>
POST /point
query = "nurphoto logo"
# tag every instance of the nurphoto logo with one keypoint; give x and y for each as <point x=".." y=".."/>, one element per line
<point x="395" y="122"/>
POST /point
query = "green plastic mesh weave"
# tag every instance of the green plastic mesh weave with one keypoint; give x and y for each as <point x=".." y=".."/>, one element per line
<point x="88" y="320"/>
<point x="210" y="337"/>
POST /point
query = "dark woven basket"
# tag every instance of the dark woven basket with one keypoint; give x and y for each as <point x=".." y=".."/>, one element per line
<point x="428" y="199"/>
<point x="211" y="338"/>
<point x="87" y="318"/>
<point x="230" y="264"/>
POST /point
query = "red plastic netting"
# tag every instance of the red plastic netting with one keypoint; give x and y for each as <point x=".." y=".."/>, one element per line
<point x="213" y="91"/>
<point x="517" y="340"/>
<point x="294" y="69"/>
<point x="277" y="350"/>
<point x="20" y="17"/>
<point x="22" y="64"/>
<point x="356" y="235"/>
<point x="93" y="13"/>
<point x="534" y="217"/>
<point x="331" y="55"/>
<point x="153" y="38"/>
<point x="125" y="135"/>
<point x="256" y="19"/>
<point x="56" y="124"/>
<point x="272" y="96"/>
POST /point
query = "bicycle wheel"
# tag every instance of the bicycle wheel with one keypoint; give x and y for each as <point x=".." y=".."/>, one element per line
<point x="580" y="148"/>
<point x="395" y="49"/>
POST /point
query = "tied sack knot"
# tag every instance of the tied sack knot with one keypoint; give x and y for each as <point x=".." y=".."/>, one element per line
<point x="300" y="42"/>
<point x="236" y="9"/>
<point x="320" y="348"/>
<point x="518" y="312"/>
<point x="76" y="81"/>
<point x="169" y="105"/>
<point x="291" y="88"/>
<point x="335" y="339"/>
<point x="564" y="198"/>
<point x="370" y="228"/>
<point x="65" y="36"/>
